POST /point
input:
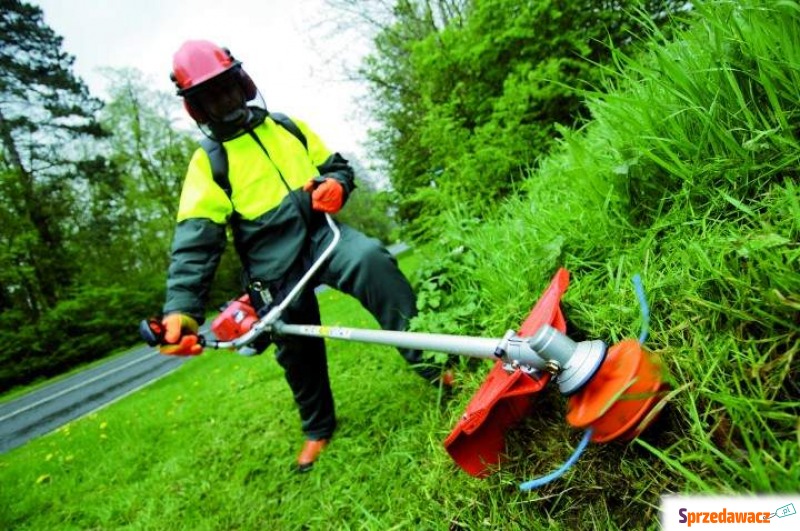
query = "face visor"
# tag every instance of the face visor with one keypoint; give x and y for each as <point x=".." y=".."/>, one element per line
<point x="223" y="110"/>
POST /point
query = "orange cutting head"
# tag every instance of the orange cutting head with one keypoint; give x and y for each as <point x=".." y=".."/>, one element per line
<point x="623" y="397"/>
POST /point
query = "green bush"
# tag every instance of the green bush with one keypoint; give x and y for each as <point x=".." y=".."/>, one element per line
<point x="89" y="325"/>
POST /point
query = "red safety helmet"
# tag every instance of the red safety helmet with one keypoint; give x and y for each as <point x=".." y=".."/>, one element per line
<point x="201" y="64"/>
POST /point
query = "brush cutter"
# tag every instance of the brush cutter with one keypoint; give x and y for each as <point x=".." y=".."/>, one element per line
<point x="614" y="393"/>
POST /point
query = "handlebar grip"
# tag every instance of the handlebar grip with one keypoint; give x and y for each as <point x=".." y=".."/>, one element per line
<point x="151" y="331"/>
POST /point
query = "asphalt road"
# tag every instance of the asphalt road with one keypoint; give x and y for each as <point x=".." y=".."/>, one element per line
<point x="47" y="408"/>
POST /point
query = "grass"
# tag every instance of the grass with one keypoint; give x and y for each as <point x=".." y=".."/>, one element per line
<point x="688" y="176"/>
<point x="211" y="447"/>
<point x="208" y="447"/>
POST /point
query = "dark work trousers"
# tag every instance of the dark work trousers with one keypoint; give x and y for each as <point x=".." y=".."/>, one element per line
<point x="359" y="266"/>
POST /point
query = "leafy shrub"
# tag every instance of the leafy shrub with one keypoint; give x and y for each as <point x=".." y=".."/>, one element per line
<point x="88" y="326"/>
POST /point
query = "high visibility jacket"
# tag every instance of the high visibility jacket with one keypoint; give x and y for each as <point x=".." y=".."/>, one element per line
<point x="269" y="213"/>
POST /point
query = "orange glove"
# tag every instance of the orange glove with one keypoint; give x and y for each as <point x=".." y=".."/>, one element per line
<point x="180" y="336"/>
<point x="326" y="195"/>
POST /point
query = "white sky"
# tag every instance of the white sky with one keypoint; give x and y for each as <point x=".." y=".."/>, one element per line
<point x="296" y="60"/>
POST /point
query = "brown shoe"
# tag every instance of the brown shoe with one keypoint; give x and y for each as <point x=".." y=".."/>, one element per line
<point x="309" y="454"/>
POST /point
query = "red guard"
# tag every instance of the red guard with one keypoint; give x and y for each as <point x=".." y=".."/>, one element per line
<point x="478" y="440"/>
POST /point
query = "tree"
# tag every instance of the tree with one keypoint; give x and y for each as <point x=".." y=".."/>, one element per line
<point x="45" y="115"/>
<point x="135" y="206"/>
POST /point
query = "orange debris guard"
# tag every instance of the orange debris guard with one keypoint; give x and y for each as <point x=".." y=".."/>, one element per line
<point x="477" y="442"/>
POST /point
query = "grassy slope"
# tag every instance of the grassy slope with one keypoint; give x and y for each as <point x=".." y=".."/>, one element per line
<point x="688" y="175"/>
<point x="211" y="447"/>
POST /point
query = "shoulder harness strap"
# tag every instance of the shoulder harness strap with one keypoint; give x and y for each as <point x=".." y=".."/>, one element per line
<point x="218" y="158"/>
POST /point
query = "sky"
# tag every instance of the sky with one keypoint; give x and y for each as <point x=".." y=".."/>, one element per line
<point x="297" y="60"/>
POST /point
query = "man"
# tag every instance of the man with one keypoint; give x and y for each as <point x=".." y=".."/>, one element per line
<point x="280" y="179"/>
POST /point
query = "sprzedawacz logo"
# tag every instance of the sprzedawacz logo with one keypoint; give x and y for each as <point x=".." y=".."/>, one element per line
<point x="721" y="517"/>
<point x="725" y="516"/>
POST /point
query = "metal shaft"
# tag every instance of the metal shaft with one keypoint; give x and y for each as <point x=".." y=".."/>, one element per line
<point x="461" y="345"/>
<point x="507" y="349"/>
